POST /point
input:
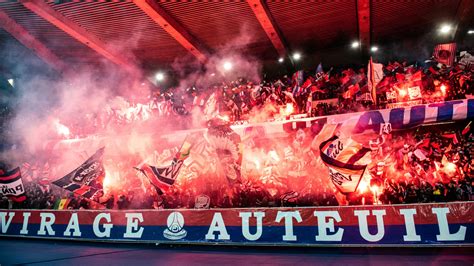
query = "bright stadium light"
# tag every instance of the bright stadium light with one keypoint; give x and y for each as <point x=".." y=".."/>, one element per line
<point x="445" y="29"/>
<point x="227" y="66"/>
<point x="280" y="60"/>
<point x="160" y="76"/>
<point x="296" y="56"/>
<point x="355" y="44"/>
<point x="374" y="49"/>
<point x="470" y="32"/>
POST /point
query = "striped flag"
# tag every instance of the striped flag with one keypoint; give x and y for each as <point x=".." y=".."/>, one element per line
<point x="341" y="158"/>
<point x="445" y="53"/>
<point x="61" y="204"/>
<point x="12" y="185"/>
<point x="298" y="77"/>
<point x="86" y="180"/>
<point x="162" y="178"/>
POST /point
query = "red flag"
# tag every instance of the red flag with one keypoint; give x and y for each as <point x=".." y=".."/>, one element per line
<point x="306" y="84"/>
<point x="400" y="77"/>
<point x="452" y="136"/>
<point x="417" y="76"/>
<point x="433" y="71"/>
<point x="445" y="53"/>
<point x="467" y="128"/>
<point x="354" y="89"/>
<point x="12" y="185"/>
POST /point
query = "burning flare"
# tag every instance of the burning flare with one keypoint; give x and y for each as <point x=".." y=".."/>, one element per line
<point x="61" y="129"/>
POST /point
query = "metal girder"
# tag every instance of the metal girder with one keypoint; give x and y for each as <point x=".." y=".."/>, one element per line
<point x="464" y="16"/>
<point x="29" y="41"/>
<point x="363" y="15"/>
<point x="43" y="10"/>
<point x="268" y="24"/>
<point x="172" y="27"/>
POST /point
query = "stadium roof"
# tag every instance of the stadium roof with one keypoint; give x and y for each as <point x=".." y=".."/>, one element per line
<point x="148" y="35"/>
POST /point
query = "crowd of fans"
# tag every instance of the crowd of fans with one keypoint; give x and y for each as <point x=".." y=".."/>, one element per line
<point x="348" y="90"/>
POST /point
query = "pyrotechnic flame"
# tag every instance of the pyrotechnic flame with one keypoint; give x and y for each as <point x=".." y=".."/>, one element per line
<point x="450" y="168"/>
<point x="257" y="164"/>
<point x="443" y="88"/>
<point x="402" y="92"/>
<point x="287" y="110"/>
<point x="111" y="181"/>
<point x="363" y="186"/>
<point x="274" y="155"/>
<point x="61" y="129"/>
<point x="225" y="118"/>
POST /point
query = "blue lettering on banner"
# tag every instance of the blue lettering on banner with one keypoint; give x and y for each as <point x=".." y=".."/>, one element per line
<point x="445" y="110"/>
<point x="417" y="117"/>
<point x="470" y="108"/>
<point x="369" y="120"/>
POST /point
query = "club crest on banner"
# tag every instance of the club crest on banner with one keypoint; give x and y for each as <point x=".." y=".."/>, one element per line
<point x="175" y="223"/>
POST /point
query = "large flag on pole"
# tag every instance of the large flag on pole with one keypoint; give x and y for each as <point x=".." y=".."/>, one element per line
<point x="445" y="53"/>
<point x="87" y="179"/>
<point x="12" y="185"/>
<point x="374" y="76"/>
<point x="341" y="159"/>
<point x="298" y="77"/>
<point x="162" y="178"/>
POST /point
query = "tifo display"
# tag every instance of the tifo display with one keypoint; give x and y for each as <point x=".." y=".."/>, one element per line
<point x="394" y="134"/>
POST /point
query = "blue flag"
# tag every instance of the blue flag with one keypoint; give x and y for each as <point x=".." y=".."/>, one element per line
<point x="319" y="69"/>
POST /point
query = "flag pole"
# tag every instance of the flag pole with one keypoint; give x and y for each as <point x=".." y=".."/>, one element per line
<point x="372" y="81"/>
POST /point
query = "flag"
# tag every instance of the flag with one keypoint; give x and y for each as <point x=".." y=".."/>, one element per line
<point x="326" y="132"/>
<point x="353" y="89"/>
<point x="347" y="95"/>
<point x="467" y="128"/>
<point x="307" y="84"/>
<point x="319" y="69"/>
<point x="467" y="61"/>
<point x="162" y="178"/>
<point x="210" y="108"/>
<point x="61" y="204"/>
<point x="44" y="186"/>
<point x="12" y="185"/>
<point x="374" y="76"/>
<point x="452" y="136"/>
<point x="341" y="158"/>
<point x="86" y="180"/>
<point x="445" y="53"/>
<point x="319" y="72"/>
<point x="297" y="77"/>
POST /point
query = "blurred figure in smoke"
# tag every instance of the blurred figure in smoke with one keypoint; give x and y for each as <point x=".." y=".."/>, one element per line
<point x="227" y="146"/>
